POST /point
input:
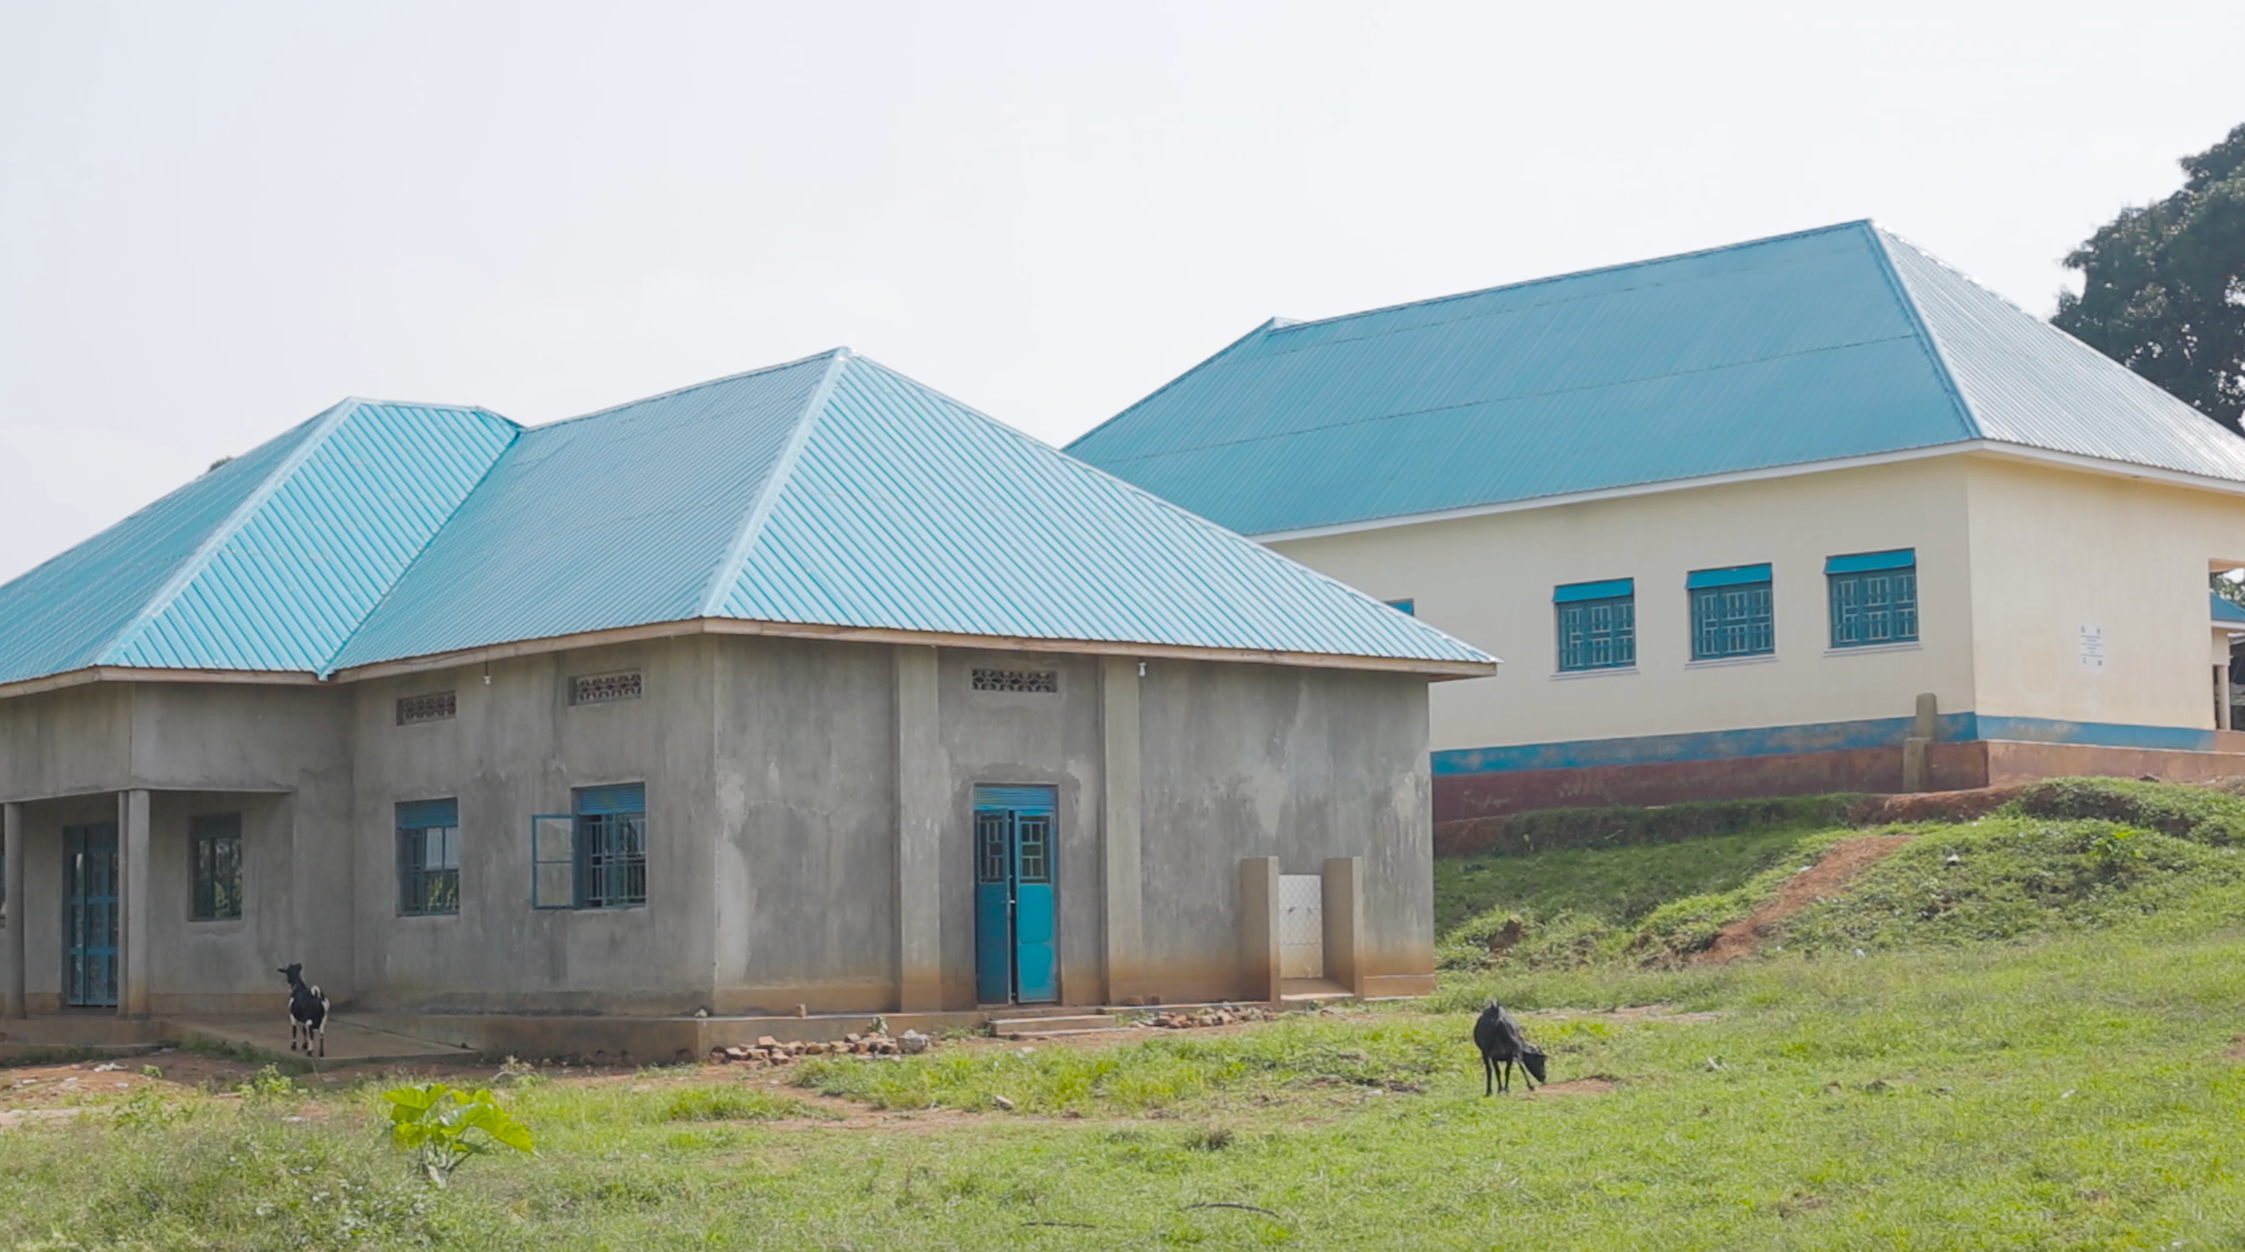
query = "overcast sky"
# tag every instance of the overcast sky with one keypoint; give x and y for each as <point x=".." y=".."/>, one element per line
<point x="216" y="220"/>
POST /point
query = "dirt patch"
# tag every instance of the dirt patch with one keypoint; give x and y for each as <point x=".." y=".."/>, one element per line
<point x="1931" y="806"/>
<point x="2236" y="1049"/>
<point x="1840" y="862"/>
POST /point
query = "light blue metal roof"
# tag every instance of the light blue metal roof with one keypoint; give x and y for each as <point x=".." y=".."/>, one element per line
<point x="834" y="492"/>
<point x="267" y="562"/>
<point x="1828" y="344"/>
<point x="2227" y="612"/>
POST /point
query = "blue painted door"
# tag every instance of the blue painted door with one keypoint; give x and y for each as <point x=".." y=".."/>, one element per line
<point x="89" y="915"/>
<point x="1015" y="950"/>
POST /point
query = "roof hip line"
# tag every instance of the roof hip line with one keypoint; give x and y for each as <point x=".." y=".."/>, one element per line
<point x="192" y="568"/>
<point x="728" y="570"/>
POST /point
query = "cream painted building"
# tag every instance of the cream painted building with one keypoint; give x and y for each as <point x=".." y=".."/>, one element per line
<point x="1809" y="513"/>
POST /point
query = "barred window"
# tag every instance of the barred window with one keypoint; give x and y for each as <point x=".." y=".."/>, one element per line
<point x="1597" y="624"/>
<point x="604" y="688"/>
<point x="1874" y="598"/>
<point x="428" y="857"/>
<point x="433" y="707"/>
<point x="216" y="845"/>
<point x="1044" y="682"/>
<point x="1731" y="612"/>
<point x="611" y="852"/>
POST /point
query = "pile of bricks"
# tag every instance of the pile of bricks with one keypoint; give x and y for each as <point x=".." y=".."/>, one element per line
<point x="1206" y="1017"/>
<point x="770" y="1051"/>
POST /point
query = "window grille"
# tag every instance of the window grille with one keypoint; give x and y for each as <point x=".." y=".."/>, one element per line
<point x="1731" y="612"/>
<point x="604" y="688"/>
<point x="1033" y="835"/>
<point x="216" y="845"/>
<point x="428" y="857"/>
<point x="1874" y="598"/>
<point x="1044" y="682"/>
<point x="434" y="707"/>
<point x="1597" y="624"/>
<point x="611" y="853"/>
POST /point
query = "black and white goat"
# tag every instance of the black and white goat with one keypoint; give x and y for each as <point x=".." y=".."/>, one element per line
<point x="307" y="1012"/>
<point x="1501" y="1044"/>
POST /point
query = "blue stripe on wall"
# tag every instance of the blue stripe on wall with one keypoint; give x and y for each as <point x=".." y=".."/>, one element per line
<point x="1885" y="732"/>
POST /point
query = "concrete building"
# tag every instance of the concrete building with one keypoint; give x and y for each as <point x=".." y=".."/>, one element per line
<point x="1805" y="514"/>
<point x="807" y="687"/>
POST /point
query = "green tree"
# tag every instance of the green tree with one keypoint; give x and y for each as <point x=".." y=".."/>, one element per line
<point x="2163" y="286"/>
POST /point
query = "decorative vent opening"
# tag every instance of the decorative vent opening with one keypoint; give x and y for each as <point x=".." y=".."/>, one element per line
<point x="1040" y="682"/>
<point x="433" y="707"/>
<point x="604" y="688"/>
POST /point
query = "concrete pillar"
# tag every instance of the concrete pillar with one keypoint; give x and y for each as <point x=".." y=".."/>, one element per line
<point x="1119" y="807"/>
<point x="1258" y="929"/>
<point x="1924" y="728"/>
<point x="1344" y="921"/>
<point x="923" y="802"/>
<point x="12" y="943"/>
<point x="134" y="863"/>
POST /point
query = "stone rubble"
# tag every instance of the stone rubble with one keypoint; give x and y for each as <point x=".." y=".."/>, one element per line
<point x="1222" y="1016"/>
<point x="769" y="1051"/>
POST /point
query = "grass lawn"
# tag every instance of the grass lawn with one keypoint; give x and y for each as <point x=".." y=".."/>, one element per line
<point x="2039" y="1048"/>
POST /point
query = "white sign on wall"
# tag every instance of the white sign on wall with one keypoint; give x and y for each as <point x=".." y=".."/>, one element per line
<point x="2092" y="647"/>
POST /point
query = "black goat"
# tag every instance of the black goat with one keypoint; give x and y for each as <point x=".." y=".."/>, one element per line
<point x="307" y="1012"/>
<point x="1501" y="1044"/>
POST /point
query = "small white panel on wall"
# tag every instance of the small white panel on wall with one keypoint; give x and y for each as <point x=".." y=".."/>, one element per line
<point x="2092" y="647"/>
<point x="1301" y="926"/>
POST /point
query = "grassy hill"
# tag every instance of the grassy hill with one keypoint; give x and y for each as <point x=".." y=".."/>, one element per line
<point x="2024" y="1031"/>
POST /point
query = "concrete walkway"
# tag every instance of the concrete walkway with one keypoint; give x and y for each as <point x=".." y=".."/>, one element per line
<point x="348" y="1042"/>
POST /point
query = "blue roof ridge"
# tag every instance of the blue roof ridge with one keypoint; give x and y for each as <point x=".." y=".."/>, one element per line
<point x="1268" y="325"/>
<point x="1503" y="400"/>
<point x="325" y="425"/>
<point x="1187" y="515"/>
<point x="679" y="391"/>
<point x="1880" y="238"/>
<point x="1740" y="246"/>
<point x="729" y="570"/>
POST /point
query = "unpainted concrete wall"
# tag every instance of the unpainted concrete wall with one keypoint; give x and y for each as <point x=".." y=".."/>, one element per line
<point x="1302" y="765"/>
<point x="517" y="748"/>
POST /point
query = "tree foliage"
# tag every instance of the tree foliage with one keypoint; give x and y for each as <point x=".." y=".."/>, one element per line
<point x="2163" y="288"/>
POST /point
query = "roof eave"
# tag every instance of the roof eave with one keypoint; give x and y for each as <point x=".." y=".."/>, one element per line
<point x="1987" y="447"/>
<point x="1437" y="669"/>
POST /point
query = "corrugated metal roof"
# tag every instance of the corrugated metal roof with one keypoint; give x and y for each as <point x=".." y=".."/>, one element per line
<point x="1787" y="351"/>
<point x="833" y="491"/>
<point x="2227" y="612"/>
<point x="268" y="562"/>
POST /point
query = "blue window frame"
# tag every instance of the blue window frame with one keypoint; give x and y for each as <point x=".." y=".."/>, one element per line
<point x="1874" y="597"/>
<point x="1731" y="612"/>
<point x="611" y="851"/>
<point x="428" y="858"/>
<point x="1597" y="624"/>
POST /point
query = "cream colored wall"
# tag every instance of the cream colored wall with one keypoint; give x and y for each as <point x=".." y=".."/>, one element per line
<point x="2055" y="549"/>
<point x="1488" y="580"/>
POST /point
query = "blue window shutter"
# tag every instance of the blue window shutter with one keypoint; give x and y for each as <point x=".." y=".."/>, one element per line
<point x="625" y="798"/>
<point x="427" y="814"/>
<point x="1899" y="558"/>
<point x="1731" y="577"/>
<point x="1607" y="590"/>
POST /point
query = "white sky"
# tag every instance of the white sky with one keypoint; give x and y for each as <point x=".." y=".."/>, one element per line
<point x="215" y="219"/>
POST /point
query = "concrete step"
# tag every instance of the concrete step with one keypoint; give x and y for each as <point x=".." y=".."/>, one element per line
<point x="1016" y="1027"/>
<point x="72" y="1030"/>
<point x="1088" y="1030"/>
